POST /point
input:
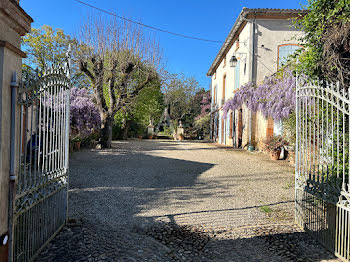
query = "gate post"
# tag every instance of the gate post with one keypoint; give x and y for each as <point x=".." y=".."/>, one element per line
<point x="14" y="23"/>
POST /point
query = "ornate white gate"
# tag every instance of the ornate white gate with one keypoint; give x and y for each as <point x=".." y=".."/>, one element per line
<point x="40" y="194"/>
<point x="322" y="163"/>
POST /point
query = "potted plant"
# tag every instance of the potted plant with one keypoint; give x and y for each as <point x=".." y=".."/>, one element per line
<point x="139" y="133"/>
<point x="77" y="142"/>
<point x="181" y="137"/>
<point x="274" y="145"/>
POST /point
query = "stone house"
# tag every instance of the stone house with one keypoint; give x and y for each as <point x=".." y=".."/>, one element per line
<point x="258" y="43"/>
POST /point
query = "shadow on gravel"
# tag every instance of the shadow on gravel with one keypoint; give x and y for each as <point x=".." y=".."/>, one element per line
<point x="171" y="216"/>
<point x="193" y="243"/>
<point x="286" y="247"/>
<point x="110" y="190"/>
<point x="172" y="242"/>
<point x="107" y="186"/>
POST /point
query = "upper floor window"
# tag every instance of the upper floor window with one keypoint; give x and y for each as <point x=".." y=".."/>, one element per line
<point x="284" y="51"/>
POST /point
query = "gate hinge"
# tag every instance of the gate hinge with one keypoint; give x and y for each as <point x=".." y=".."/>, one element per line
<point x="13" y="178"/>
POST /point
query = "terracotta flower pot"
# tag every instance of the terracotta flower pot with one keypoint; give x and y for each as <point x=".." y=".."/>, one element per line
<point x="275" y="155"/>
<point x="150" y="137"/>
<point x="140" y="137"/>
<point x="77" y="145"/>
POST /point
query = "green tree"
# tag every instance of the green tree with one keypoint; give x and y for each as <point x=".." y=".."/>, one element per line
<point x="327" y="34"/>
<point x="149" y="105"/>
<point x="135" y="117"/>
<point x="46" y="46"/>
<point x="179" y="96"/>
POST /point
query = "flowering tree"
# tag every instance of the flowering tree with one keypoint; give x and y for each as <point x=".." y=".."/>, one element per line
<point x="205" y="104"/>
<point x="275" y="97"/>
<point x="84" y="115"/>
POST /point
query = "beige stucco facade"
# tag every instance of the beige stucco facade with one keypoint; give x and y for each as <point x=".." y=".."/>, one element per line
<point x="14" y="23"/>
<point x="255" y="41"/>
<point x="271" y="33"/>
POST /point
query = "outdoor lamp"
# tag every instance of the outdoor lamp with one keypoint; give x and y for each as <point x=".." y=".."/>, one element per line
<point x="233" y="61"/>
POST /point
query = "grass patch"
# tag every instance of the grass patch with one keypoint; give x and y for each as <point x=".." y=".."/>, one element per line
<point x="288" y="184"/>
<point x="266" y="209"/>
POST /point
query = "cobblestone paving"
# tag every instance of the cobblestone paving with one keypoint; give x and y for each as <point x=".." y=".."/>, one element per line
<point x="180" y="201"/>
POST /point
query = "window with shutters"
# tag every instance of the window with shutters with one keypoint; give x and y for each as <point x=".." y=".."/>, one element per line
<point x="284" y="51"/>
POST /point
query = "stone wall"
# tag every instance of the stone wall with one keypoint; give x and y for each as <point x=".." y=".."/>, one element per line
<point x="14" y="23"/>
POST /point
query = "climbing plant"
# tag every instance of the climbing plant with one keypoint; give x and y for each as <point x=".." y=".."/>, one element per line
<point x="326" y="38"/>
<point x="275" y="97"/>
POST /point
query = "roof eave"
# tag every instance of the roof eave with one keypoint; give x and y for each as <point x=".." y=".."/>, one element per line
<point x="227" y="42"/>
<point x="238" y="23"/>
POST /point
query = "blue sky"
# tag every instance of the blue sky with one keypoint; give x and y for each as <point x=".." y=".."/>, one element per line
<point x="204" y="19"/>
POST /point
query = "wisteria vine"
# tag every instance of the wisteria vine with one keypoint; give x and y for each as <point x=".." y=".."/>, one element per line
<point x="84" y="115"/>
<point x="275" y="97"/>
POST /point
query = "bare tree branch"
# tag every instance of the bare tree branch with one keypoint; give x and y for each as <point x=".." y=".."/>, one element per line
<point x="83" y="66"/>
<point x="116" y="56"/>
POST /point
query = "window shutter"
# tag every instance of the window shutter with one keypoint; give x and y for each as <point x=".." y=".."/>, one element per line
<point x="231" y="124"/>
<point x="237" y="75"/>
<point x="284" y="51"/>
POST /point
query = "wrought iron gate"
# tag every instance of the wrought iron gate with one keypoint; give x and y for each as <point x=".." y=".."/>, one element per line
<point x="322" y="163"/>
<point x="40" y="199"/>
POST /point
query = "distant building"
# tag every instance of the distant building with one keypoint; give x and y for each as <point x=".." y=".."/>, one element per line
<point x="258" y="43"/>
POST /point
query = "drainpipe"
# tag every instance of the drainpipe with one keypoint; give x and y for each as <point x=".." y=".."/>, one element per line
<point x="252" y="73"/>
<point x="12" y="189"/>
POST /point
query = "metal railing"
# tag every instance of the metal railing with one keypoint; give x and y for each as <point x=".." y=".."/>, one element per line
<point x="40" y="197"/>
<point x="322" y="163"/>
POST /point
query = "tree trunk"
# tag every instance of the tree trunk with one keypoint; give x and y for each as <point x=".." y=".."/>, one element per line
<point x="126" y="129"/>
<point x="106" y="130"/>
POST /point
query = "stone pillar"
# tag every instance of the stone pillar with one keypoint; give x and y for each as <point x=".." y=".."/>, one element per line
<point x="150" y="130"/>
<point x="180" y="132"/>
<point x="14" y="23"/>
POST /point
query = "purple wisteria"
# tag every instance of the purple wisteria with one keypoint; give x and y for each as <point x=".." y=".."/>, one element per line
<point x="275" y="97"/>
<point x="205" y="104"/>
<point x="84" y="115"/>
<point x="242" y="96"/>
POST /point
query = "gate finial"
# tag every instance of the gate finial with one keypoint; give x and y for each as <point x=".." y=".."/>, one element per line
<point x="69" y="58"/>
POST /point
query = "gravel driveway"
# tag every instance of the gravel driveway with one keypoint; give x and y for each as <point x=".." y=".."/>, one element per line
<point x="152" y="200"/>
